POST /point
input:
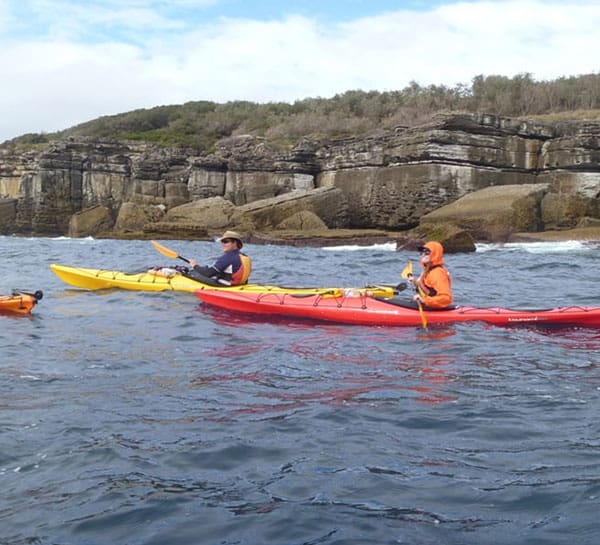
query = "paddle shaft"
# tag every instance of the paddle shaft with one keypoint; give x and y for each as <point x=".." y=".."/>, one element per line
<point x="407" y="273"/>
<point x="422" y="314"/>
<point x="167" y="252"/>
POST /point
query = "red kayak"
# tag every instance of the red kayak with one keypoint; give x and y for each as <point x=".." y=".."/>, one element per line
<point x="19" y="302"/>
<point x="366" y="310"/>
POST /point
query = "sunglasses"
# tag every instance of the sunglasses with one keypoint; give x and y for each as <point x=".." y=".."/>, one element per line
<point x="227" y="240"/>
<point x="426" y="252"/>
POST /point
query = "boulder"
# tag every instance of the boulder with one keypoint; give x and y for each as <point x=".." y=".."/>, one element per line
<point x="495" y="212"/>
<point x="211" y="213"/>
<point x="571" y="196"/>
<point x="326" y="203"/>
<point x="133" y="217"/>
<point x="302" y="221"/>
<point x="89" y="222"/>
<point x="452" y="238"/>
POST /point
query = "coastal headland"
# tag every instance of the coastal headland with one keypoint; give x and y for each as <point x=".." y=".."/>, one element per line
<point x="460" y="178"/>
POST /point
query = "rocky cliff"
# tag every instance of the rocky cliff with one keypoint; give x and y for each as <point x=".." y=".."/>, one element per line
<point x="388" y="180"/>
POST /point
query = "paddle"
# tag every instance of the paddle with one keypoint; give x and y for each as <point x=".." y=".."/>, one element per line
<point x="38" y="295"/>
<point x="407" y="272"/>
<point x="168" y="253"/>
<point x="394" y="288"/>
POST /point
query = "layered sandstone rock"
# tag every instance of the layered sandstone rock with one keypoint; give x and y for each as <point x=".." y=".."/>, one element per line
<point x="8" y="214"/>
<point x="388" y="181"/>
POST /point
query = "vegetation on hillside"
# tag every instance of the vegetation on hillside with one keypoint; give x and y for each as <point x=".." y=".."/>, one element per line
<point x="200" y="124"/>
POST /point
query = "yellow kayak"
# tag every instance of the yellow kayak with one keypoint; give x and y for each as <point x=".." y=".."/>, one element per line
<point x="98" y="279"/>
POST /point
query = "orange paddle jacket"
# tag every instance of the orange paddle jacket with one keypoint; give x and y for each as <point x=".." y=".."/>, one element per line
<point x="434" y="284"/>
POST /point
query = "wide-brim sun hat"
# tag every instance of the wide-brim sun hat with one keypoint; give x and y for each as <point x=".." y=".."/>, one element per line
<point x="232" y="234"/>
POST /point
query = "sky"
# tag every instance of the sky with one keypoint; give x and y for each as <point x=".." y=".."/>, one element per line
<point x="64" y="62"/>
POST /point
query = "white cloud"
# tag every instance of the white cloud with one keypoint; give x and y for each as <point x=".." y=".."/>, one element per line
<point x="114" y="56"/>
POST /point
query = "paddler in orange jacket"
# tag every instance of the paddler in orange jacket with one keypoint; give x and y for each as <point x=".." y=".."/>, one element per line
<point x="433" y="286"/>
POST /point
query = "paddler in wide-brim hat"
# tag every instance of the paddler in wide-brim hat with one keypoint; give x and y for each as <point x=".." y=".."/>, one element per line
<point x="233" y="268"/>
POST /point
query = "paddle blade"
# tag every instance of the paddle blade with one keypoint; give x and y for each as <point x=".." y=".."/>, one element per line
<point x="163" y="250"/>
<point x="422" y="314"/>
<point x="407" y="271"/>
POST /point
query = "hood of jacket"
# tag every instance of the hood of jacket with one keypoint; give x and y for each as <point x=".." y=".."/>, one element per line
<point x="437" y="253"/>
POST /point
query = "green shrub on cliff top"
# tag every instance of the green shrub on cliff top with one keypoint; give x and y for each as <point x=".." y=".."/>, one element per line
<point x="201" y="124"/>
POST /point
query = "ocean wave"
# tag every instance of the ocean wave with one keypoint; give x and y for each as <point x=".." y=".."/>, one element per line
<point x="539" y="247"/>
<point x="386" y="246"/>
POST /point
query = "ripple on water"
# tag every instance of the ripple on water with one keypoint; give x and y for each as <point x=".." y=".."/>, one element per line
<point x="150" y="418"/>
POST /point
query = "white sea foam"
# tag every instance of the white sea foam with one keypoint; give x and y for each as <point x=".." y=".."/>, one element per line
<point x="551" y="247"/>
<point x="386" y="246"/>
<point x="81" y="240"/>
<point x="548" y="247"/>
<point x="58" y="238"/>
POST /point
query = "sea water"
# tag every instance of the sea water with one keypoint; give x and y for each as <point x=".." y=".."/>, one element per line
<point x="151" y="418"/>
